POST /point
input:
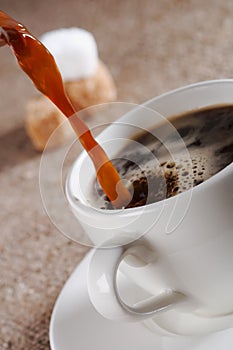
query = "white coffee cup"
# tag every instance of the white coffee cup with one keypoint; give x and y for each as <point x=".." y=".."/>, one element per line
<point x="187" y="268"/>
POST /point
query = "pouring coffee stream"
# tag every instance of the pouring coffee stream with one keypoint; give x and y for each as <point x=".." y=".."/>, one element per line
<point x="37" y="62"/>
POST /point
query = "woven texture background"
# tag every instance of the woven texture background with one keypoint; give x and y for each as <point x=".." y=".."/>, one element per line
<point x="150" y="47"/>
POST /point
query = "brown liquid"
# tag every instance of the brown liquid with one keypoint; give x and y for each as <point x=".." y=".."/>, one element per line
<point x="36" y="61"/>
<point x="155" y="175"/>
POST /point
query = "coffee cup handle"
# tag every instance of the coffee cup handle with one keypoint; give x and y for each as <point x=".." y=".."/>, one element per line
<point x="103" y="292"/>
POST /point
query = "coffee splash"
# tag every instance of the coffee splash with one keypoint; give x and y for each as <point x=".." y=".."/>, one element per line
<point x="208" y="136"/>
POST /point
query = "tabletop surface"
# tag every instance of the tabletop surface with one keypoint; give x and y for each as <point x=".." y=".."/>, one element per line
<point x="150" y="47"/>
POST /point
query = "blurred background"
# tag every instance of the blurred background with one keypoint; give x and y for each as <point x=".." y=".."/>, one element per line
<point x="150" y="47"/>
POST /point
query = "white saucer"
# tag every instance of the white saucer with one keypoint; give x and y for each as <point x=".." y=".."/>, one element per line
<point x="75" y="324"/>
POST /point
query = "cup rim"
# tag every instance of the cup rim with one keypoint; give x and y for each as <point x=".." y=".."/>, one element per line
<point x="188" y="87"/>
<point x="78" y="205"/>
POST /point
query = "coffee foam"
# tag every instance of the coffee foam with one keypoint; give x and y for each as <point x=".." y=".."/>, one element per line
<point x="208" y="136"/>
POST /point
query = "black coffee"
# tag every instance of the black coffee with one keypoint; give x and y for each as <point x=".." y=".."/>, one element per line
<point x="161" y="170"/>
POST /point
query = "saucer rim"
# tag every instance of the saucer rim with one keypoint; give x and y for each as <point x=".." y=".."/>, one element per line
<point x="200" y="341"/>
